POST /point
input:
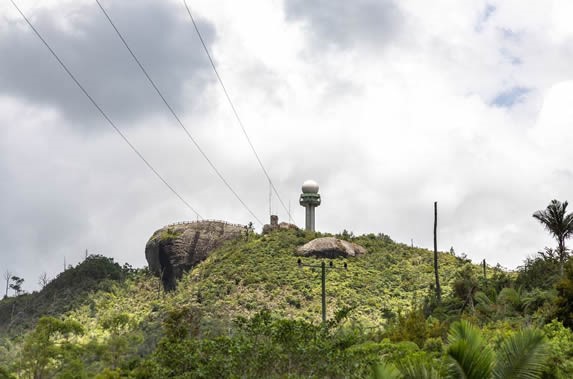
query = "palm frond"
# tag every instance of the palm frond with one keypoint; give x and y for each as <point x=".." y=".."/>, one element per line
<point x="509" y="297"/>
<point x="483" y="303"/>
<point x="386" y="371"/>
<point x="470" y="357"/>
<point x="415" y="368"/>
<point x="522" y="356"/>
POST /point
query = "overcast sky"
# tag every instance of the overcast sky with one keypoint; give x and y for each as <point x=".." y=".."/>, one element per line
<point x="388" y="105"/>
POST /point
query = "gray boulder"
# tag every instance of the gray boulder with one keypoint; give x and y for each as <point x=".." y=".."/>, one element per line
<point x="176" y="248"/>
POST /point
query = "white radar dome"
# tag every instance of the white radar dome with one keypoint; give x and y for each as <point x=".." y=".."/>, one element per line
<point x="310" y="186"/>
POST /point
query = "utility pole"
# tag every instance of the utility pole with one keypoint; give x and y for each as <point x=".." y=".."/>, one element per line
<point x="323" y="269"/>
<point x="438" y="289"/>
<point x="484" y="273"/>
<point x="323" y="281"/>
<point x="270" y="198"/>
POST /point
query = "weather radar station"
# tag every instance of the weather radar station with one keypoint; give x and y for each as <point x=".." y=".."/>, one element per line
<point x="310" y="199"/>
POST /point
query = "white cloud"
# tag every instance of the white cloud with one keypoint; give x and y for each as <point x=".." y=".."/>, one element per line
<point x="386" y="127"/>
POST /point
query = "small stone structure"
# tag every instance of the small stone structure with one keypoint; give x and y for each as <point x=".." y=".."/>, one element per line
<point x="274" y="225"/>
<point x="330" y="247"/>
<point x="176" y="248"/>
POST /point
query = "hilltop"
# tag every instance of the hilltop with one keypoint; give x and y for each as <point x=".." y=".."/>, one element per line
<point x="243" y="277"/>
<point x="385" y="293"/>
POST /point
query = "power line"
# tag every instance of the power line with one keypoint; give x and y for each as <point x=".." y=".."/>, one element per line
<point x="95" y="104"/>
<point x="234" y="109"/>
<point x="152" y="82"/>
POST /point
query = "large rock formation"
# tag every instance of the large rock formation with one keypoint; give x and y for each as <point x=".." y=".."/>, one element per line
<point x="176" y="248"/>
<point x="330" y="247"/>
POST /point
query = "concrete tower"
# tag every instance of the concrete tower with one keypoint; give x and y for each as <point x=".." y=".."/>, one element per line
<point x="310" y="199"/>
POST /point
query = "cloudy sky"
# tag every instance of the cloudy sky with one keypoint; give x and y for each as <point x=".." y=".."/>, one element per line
<point x="388" y="105"/>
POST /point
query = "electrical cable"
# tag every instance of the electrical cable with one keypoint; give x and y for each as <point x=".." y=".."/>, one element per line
<point x="158" y="91"/>
<point x="95" y="104"/>
<point x="234" y="109"/>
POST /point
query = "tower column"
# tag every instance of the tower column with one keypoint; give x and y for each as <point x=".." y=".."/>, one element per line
<point x="309" y="225"/>
<point x="310" y="199"/>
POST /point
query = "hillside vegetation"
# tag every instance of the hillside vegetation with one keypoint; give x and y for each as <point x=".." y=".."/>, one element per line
<point x="250" y="311"/>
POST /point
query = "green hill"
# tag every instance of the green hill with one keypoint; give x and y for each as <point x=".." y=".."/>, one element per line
<point x="248" y="295"/>
<point x="245" y="277"/>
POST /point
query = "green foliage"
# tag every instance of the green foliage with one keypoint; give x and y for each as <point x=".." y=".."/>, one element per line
<point x="564" y="301"/>
<point x="386" y="371"/>
<point x="88" y="275"/>
<point x="5" y="374"/>
<point x="266" y="346"/>
<point x="540" y="272"/>
<point x="48" y="350"/>
<point x="465" y="284"/>
<point x="560" y="341"/>
<point x="16" y="284"/>
<point x="559" y="224"/>
<point x="416" y="328"/>
<point x="67" y="291"/>
<point x="521" y="355"/>
<point x="169" y="234"/>
<point x="250" y="311"/>
<point x="470" y="356"/>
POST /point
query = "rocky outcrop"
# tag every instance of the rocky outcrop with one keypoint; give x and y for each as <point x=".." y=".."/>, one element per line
<point x="274" y="225"/>
<point x="176" y="248"/>
<point x="330" y="247"/>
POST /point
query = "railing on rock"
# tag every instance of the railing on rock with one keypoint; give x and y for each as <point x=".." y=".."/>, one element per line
<point x="200" y="221"/>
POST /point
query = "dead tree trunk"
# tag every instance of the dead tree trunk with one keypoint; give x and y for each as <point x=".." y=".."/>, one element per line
<point x="438" y="289"/>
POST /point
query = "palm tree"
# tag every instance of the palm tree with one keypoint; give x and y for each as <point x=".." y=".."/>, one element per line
<point x="559" y="224"/>
<point x="520" y="356"/>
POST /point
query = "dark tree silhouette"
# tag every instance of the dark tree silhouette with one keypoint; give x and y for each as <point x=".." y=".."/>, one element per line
<point x="16" y="284"/>
<point x="559" y="224"/>
<point x="43" y="280"/>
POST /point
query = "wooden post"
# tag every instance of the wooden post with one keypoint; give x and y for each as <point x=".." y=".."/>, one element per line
<point x="323" y="267"/>
<point x="438" y="289"/>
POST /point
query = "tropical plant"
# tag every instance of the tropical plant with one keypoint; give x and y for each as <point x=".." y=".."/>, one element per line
<point x="48" y="351"/>
<point x="559" y="224"/>
<point x="564" y="300"/>
<point x="541" y="271"/>
<point x="522" y="355"/>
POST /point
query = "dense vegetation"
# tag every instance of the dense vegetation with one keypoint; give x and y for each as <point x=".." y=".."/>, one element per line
<point x="250" y="311"/>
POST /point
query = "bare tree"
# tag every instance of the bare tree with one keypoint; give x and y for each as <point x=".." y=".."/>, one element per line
<point x="43" y="280"/>
<point x="438" y="289"/>
<point x="7" y="277"/>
